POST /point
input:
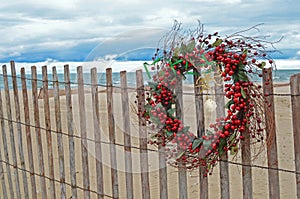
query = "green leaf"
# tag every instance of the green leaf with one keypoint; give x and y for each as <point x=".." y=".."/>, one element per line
<point x="208" y="132"/>
<point x="263" y="64"/>
<point x="176" y="52"/>
<point x="154" y="119"/>
<point x="242" y="76"/>
<point x="147" y="71"/>
<point x="186" y="129"/>
<point x="190" y="46"/>
<point x="222" y="143"/>
<point x="177" y="62"/>
<point x="152" y="85"/>
<point x="217" y="42"/>
<point x="171" y="111"/>
<point x="180" y="154"/>
<point x="243" y="93"/>
<point x="183" y="48"/>
<point x="169" y="133"/>
<point x="206" y="144"/>
<point x="196" y="143"/>
<point x="148" y="107"/>
<point x="234" y="150"/>
<point x="229" y="103"/>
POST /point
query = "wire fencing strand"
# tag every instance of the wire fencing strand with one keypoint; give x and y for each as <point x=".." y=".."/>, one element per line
<point x="153" y="150"/>
<point x="54" y="180"/>
<point x="122" y="145"/>
<point x="136" y="89"/>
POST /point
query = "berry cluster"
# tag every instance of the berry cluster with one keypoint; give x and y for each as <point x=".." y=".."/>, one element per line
<point x="236" y="58"/>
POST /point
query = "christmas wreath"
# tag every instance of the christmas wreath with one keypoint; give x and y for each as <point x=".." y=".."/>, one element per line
<point x="235" y="59"/>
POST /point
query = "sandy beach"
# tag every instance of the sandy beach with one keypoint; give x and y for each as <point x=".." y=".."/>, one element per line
<point x="260" y="181"/>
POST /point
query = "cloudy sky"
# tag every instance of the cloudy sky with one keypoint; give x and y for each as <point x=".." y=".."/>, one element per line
<point x="70" y="30"/>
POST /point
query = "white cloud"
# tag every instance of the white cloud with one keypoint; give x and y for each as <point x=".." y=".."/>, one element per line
<point x="67" y="23"/>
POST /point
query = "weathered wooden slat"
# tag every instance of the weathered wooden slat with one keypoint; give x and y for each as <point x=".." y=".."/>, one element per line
<point x="111" y="131"/>
<point x="142" y="135"/>
<point x="200" y="119"/>
<point x="11" y="131"/>
<point x="59" y="135"/>
<point x="5" y="150"/>
<point x="163" y="179"/>
<point x="97" y="134"/>
<point x="4" y="192"/>
<point x="274" y="191"/>
<point x="48" y="131"/>
<point x="19" y="128"/>
<point x="3" y="185"/>
<point x="28" y="134"/>
<point x="246" y="170"/>
<point x="220" y="110"/>
<point x="38" y="131"/>
<point x="295" y="99"/>
<point x="82" y="118"/>
<point x="127" y="134"/>
<point x="182" y="179"/>
<point x="70" y="131"/>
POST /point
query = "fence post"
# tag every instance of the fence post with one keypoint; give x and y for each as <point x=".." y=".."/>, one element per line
<point x="3" y="186"/>
<point x="59" y="135"/>
<point x="5" y="149"/>
<point x="295" y="98"/>
<point x="200" y="119"/>
<point x="143" y="135"/>
<point x="274" y="191"/>
<point x="70" y="130"/>
<point x="220" y="109"/>
<point x="97" y="133"/>
<point x="11" y="131"/>
<point x="111" y="129"/>
<point x="127" y="134"/>
<point x="246" y="169"/>
<point x="48" y="131"/>
<point x="82" y="118"/>
<point x="38" y="131"/>
<point x="179" y="113"/>
<point x="28" y="134"/>
<point x="19" y="129"/>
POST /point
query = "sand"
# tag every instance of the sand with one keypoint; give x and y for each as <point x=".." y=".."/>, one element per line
<point x="260" y="180"/>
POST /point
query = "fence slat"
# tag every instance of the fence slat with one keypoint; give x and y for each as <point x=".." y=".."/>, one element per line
<point x="28" y="134"/>
<point x="274" y="191"/>
<point x="6" y="158"/>
<point x="163" y="180"/>
<point x="182" y="179"/>
<point x="3" y="185"/>
<point x="143" y="136"/>
<point x="97" y="133"/>
<point x="19" y="128"/>
<point x="38" y="131"/>
<point x="246" y="170"/>
<point x="220" y="109"/>
<point x="127" y="134"/>
<point x="82" y="118"/>
<point x="111" y="131"/>
<point x="200" y="119"/>
<point x="11" y="131"/>
<point x="295" y="99"/>
<point x="48" y="131"/>
<point x="59" y="136"/>
<point x="70" y="130"/>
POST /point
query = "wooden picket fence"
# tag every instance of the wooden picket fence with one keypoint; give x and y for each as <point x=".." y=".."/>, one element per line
<point x="33" y="164"/>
